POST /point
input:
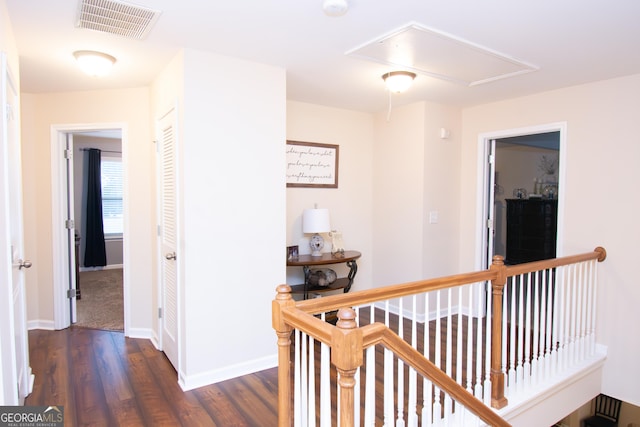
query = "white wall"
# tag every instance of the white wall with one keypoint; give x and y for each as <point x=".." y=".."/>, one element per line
<point x="415" y="174"/>
<point x="350" y="204"/>
<point x="232" y="203"/>
<point x="39" y="112"/>
<point x="603" y="148"/>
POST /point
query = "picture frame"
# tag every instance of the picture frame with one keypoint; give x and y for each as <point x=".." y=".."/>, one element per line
<point x="312" y="165"/>
<point x="292" y="253"/>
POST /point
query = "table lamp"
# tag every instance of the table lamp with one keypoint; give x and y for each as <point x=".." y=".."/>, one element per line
<point x="315" y="221"/>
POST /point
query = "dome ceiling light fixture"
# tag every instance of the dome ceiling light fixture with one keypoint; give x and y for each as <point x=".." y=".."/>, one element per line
<point x="96" y="64"/>
<point x="335" y="7"/>
<point x="398" y="81"/>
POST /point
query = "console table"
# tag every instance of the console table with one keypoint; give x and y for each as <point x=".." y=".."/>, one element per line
<point x="308" y="261"/>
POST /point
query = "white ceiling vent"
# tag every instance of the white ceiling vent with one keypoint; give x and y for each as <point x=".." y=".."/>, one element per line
<point x="116" y="17"/>
<point x="436" y="54"/>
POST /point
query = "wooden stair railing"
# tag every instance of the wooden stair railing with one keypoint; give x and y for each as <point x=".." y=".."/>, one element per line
<point x="347" y="341"/>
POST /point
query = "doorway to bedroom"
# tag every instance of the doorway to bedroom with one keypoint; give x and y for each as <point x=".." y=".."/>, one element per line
<point x="99" y="221"/>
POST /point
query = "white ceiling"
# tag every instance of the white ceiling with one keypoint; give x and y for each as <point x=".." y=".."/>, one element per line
<point x="570" y="41"/>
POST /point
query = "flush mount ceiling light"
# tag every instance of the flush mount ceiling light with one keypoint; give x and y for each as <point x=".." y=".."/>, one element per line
<point x="335" y="7"/>
<point x="93" y="63"/>
<point x="398" y="81"/>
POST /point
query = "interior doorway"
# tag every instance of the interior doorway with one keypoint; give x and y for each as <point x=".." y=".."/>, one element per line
<point x="524" y="164"/>
<point x="99" y="296"/>
<point x="69" y="145"/>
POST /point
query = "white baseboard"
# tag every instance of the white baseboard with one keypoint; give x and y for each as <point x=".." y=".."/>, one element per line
<point x="144" y="333"/>
<point x="211" y="377"/>
<point x="47" y="325"/>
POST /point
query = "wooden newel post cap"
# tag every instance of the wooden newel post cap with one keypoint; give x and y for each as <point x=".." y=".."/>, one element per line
<point x="283" y="292"/>
<point x="497" y="260"/>
<point x="346" y="318"/>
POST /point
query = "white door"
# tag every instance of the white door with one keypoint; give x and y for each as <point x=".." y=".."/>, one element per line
<point x="14" y="335"/>
<point x="168" y="238"/>
<point x="491" y="187"/>
<point x="70" y="226"/>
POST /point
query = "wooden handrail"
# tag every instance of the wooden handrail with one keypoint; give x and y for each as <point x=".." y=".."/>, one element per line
<point x="355" y="298"/>
<point x="378" y="333"/>
<point x="348" y="341"/>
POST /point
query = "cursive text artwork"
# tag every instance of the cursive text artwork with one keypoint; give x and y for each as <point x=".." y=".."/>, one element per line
<point x="312" y="165"/>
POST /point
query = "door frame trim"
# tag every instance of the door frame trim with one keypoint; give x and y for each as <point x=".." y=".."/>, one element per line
<point x="482" y="203"/>
<point x="59" y="250"/>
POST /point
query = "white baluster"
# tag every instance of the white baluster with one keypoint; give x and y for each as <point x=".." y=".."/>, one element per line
<point x="311" y="409"/>
<point x="400" y="419"/>
<point x="304" y="389"/>
<point x="505" y="329"/>
<point x="448" y="404"/>
<point x="470" y="321"/>
<point x="526" y="364"/>
<point x="325" y="386"/>
<point x="370" y="390"/>
<point x="388" y="378"/>
<point x="591" y="320"/>
<point x="487" y="347"/>
<point x="437" y="407"/>
<point x="427" y="391"/>
<point x="412" y="406"/>
<point x="478" y="392"/>
<point x="297" y="398"/>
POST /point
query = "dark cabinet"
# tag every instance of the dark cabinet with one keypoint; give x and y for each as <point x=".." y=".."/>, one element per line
<point x="531" y="230"/>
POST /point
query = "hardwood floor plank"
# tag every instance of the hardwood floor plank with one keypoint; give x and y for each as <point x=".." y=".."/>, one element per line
<point x="185" y="404"/>
<point x="117" y="388"/>
<point x="156" y="410"/>
<point x="90" y="401"/>
<point x="220" y="407"/>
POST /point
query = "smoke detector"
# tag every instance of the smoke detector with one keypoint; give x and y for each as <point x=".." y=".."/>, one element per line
<point x="335" y="7"/>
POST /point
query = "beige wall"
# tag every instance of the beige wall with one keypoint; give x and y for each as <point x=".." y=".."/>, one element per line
<point x="41" y="111"/>
<point x="231" y="207"/>
<point x="603" y="148"/>
<point x="416" y="175"/>
<point x="350" y="204"/>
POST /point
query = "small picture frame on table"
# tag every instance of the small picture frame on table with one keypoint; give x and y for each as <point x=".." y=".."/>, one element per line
<point x="292" y="253"/>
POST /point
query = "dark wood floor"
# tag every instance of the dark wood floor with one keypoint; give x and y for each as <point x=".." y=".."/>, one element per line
<point x="104" y="379"/>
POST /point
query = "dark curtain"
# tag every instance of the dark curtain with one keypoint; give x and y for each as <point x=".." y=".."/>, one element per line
<point x="95" y="254"/>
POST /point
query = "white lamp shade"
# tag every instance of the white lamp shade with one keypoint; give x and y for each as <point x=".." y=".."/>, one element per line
<point x="316" y="221"/>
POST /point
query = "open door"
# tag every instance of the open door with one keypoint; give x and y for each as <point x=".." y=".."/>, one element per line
<point x="518" y="170"/>
<point x="13" y="329"/>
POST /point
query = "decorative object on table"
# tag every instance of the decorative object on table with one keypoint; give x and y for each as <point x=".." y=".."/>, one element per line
<point x="520" y="193"/>
<point x="292" y="253"/>
<point x="310" y="164"/>
<point x="550" y="191"/>
<point x="316" y="221"/>
<point x="337" y="245"/>
<point x="321" y="277"/>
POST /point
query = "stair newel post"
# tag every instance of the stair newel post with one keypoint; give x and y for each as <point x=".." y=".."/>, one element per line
<point x="283" y="331"/>
<point x="498" y="400"/>
<point x="347" y="356"/>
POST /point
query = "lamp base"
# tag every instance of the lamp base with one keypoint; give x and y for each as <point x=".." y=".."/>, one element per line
<point x="316" y="243"/>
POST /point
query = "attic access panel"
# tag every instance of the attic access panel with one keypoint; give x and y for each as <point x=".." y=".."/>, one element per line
<point x="440" y="55"/>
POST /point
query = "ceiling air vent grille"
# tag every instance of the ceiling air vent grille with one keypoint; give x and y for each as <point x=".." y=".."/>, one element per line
<point x="116" y="17"/>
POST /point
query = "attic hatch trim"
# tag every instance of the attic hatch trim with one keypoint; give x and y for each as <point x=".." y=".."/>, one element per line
<point x="427" y="51"/>
<point x="116" y="17"/>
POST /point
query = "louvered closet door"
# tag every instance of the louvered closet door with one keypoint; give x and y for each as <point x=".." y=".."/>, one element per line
<point x="168" y="238"/>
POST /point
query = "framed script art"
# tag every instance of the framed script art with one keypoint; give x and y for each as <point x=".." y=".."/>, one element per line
<point x="310" y="164"/>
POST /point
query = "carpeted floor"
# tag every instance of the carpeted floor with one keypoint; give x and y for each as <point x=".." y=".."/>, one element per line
<point x="101" y="305"/>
